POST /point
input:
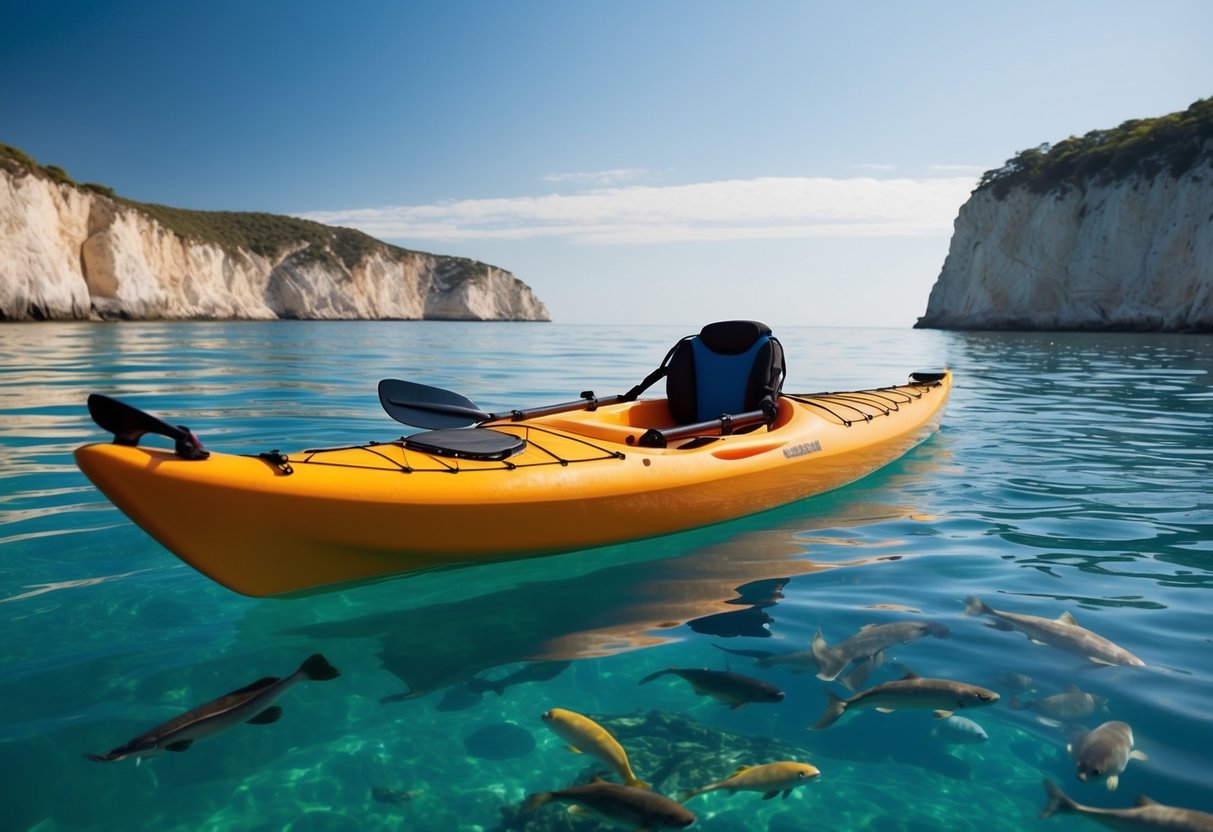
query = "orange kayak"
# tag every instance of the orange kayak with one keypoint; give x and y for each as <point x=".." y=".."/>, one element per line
<point x="562" y="482"/>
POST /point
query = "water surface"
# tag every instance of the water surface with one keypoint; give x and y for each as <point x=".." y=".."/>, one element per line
<point x="1072" y="473"/>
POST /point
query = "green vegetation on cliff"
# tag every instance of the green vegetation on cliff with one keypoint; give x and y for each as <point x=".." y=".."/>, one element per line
<point x="269" y="235"/>
<point x="1140" y="147"/>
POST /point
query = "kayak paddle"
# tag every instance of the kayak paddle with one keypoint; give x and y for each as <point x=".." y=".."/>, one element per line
<point x="422" y="406"/>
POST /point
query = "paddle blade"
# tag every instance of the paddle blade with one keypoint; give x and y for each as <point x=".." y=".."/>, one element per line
<point x="422" y="406"/>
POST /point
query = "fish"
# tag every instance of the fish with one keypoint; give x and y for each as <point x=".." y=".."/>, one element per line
<point x="959" y="730"/>
<point x="799" y="661"/>
<point x="862" y="670"/>
<point x="1069" y="706"/>
<point x="911" y="691"/>
<point x="396" y="797"/>
<point x="803" y="661"/>
<point x="1147" y="814"/>
<point x="896" y="607"/>
<point x="585" y="736"/>
<point x="253" y="704"/>
<point x="732" y="689"/>
<point x="1062" y="632"/>
<point x="639" y="808"/>
<point x="1016" y="682"/>
<point x="530" y="672"/>
<point x="868" y="642"/>
<point x="770" y="779"/>
<point x="1104" y="751"/>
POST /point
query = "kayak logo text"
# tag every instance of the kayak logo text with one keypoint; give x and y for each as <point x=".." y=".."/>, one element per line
<point x="803" y="449"/>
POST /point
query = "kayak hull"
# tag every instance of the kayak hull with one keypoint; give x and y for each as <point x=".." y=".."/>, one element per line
<point x="331" y="516"/>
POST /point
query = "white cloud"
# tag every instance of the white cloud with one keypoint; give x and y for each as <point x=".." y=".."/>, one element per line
<point x="763" y="208"/>
<point x="601" y="178"/>
<point x="875" y="166"/>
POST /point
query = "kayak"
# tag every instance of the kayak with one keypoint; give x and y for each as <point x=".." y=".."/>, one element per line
<point x="515" y="485"/>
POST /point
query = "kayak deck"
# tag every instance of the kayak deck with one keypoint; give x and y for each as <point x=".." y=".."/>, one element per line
<point x="266" y="525"/>
<point x="606" y="433"/>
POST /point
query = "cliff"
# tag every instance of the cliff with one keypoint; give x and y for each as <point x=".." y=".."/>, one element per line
<point x="1113" y="231"/>
<point x="78" y="252"/>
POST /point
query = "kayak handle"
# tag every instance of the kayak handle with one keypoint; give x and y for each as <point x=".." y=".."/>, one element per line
<point x="726" y="424"/>
<point x="128" y="425"/>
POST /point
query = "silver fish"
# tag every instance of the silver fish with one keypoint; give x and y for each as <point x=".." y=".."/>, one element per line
<point x="769" y="779"/>
<point x="868" y="642"/>
<point x="1070" y="706"/>
<point x="912" y="691"/>
<point x="1147" y="814"/>
<point x="1016" y="682"/>
<point x="639" y="808"/>
<point x="732" y="689"/>
<point x="1104" y="752"/>
<point x="897" y="607"/>
<point x="1063" y="633"/>
<point x="803" y="661"/>
<point x="252" y="703"/>
<point x="959" y="730"/>
<point x="861" y="670"/>
<point x="800" y="661"/>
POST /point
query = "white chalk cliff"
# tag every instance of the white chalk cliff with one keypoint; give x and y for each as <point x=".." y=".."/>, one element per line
<point x="1132" y="254"/>
<point x="71" y="252"/>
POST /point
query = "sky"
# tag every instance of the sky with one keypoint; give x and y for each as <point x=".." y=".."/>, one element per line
<point x="636" y="161"/>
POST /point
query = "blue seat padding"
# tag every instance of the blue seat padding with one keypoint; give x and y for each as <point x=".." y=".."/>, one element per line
<point x="721" y="380"/>
<point x="729" y="367"/>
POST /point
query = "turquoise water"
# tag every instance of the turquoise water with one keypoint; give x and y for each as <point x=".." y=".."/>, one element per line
<point x="1073" y="472"/>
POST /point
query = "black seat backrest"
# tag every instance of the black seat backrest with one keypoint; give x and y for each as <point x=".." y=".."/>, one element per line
<point x="729" y="367"/>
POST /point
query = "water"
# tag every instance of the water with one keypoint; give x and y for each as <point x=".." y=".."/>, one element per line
<point x="1072" y="473"/>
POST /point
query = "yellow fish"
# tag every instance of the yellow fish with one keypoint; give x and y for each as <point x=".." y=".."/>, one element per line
<point x="770" y="779"/>
<point x="585" y="736"/>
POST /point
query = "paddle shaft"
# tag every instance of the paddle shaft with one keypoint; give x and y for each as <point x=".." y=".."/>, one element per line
<point x="590" y="403"/>
<point x="513" y="415"/>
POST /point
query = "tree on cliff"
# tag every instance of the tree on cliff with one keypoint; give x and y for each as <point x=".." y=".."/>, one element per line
<point x="1140" y="147"/>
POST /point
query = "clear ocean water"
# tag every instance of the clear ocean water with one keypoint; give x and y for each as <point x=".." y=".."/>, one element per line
<point x="1073" y="472"/>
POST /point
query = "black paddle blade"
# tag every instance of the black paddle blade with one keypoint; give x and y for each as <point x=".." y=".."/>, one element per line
<point x="128" y="424"/>
<point x="423" y="406"/>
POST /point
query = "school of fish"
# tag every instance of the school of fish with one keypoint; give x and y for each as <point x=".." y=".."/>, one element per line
<point x="1100" y="753"/>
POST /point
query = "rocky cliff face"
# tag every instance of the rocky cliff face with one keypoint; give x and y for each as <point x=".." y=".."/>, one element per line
<point x="1133" y="254"/>
<point x="68" y="252"/>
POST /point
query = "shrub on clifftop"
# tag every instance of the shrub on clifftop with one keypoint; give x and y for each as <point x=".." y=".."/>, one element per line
<point x="1172" y="144"/>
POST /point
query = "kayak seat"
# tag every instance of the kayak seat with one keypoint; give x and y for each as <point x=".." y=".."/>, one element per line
<point x="730" y="367"/>
<point x="466" y="443"/>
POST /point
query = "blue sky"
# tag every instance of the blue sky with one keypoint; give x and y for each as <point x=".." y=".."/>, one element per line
<point x="649" y="162"/>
